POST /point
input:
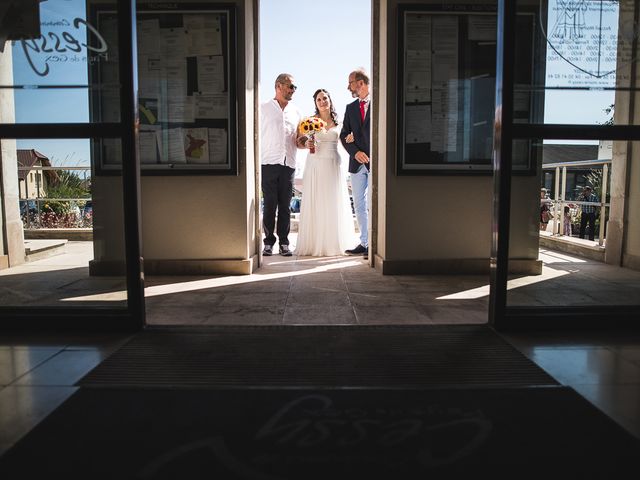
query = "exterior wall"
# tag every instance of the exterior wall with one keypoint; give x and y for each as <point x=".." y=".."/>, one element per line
<point x="30" y="187"/>
<point x="11" y="236"/>
<point x="623" y="227"/>
<point x="380" y="101"/>
<point x="441" y="223"/>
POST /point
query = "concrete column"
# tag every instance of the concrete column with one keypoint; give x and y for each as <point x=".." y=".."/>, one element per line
<point x="11" y="231"/>
<point x="623" y="238"/>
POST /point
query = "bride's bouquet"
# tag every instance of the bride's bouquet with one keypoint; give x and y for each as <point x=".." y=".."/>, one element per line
<point x="310" y="126"/>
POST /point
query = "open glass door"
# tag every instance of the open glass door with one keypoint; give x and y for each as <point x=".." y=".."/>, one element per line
<point x="566" y="245"/>
<point x="70" y="178"/>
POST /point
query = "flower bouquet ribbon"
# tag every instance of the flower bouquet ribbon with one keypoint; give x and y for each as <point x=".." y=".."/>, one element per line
<point x="309" y="127"/>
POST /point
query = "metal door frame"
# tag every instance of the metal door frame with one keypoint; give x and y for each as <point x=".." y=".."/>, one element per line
<point x="132" y="317"/>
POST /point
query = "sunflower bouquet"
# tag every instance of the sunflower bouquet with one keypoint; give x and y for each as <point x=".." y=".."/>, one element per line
<point x="310" y="126"/>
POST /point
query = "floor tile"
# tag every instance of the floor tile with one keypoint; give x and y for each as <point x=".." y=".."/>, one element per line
<point x="396" y="315"/>
<point x="381" y="299"/>
<point x="620" y="402"/>
<point x="64" y="369"/>
<point x="23" y="407"/>
<point x="319" y="315"/>
<point x="588" y="366"/>
<point x="242" y="315"/>
<point x="257" y="299"/>
<point x="17" y="361"/>
<point x="300" y="297"/>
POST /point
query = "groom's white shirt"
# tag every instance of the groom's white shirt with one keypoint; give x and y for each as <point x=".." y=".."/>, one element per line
<point x="278" y="132"/>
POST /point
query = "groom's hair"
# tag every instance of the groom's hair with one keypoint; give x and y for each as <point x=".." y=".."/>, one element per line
<point x="360" y="75"/>
<point x="282" y="78"/>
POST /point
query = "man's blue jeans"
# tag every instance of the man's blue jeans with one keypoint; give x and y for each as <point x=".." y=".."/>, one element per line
<point x="359" y="189"/>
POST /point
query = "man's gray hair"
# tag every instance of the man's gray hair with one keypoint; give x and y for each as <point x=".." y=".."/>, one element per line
<point x="360" y="74"/>
<point x="282" y="79"/>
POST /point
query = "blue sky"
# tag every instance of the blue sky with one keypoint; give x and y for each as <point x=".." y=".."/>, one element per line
<point x="319" y="46"/>
<point x="64" y="68"/>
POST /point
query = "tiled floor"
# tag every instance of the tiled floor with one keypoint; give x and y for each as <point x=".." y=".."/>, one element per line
<point x="306" y="290"/>
<point x="38" y="373"/>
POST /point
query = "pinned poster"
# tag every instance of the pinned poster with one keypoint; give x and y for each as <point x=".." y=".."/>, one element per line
<point x="196" y="145"/>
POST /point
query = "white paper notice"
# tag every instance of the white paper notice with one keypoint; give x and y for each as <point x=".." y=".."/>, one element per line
<point x="218" y="146"/>
<point x="112" y="152"/>
<point x="451" y="144"/>
<point x="418" y="32"/>
<point x="181" y="110"/>
<point x="204" y="34"/>
<point x="418" y="123"/>
<point x="444" y="93"/>
<point x="418" y="83"/>
<point x="149" y="73"/>
<point x="148" y="32"/>
<point x="174" y="46"/>
<point x="211" y="106"/>
<point x="147" y="142"/>
<point x="171" y="146"/>
<point x="482" y="28"/>
<point x="175" y="82"/>
<point x="210" y="74"/>
<point x="445" y="48"/>
<point x="196" y="145"/>
<point x="438" y="119"/>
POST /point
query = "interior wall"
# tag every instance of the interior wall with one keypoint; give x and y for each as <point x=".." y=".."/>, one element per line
<point x="194" y="224"/>
<point x="442" y="223"/>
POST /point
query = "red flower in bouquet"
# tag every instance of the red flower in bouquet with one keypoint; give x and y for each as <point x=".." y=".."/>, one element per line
<point x="310" y="126"/>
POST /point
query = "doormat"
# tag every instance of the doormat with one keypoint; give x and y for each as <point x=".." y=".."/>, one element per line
<point x="112" y="433"/>
<point x="318" y="356"/>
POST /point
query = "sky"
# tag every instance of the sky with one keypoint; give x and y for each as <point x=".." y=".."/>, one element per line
<point x="318" y="45"/>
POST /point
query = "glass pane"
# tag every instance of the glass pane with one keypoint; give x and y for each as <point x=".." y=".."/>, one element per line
<point x="63" y="233"/>
<point x="582" y="57"/>
<point x="574" y="223"/>
<point x="50" y="78"/>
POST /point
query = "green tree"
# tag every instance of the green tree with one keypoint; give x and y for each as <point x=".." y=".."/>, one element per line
<point x="66" y="184"/>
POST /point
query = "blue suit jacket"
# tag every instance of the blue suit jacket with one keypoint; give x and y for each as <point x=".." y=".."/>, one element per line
<point x="360" y="129"/>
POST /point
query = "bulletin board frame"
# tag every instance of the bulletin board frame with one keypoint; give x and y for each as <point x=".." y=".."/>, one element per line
<point x="189" y="133"/>
<point x="448" y="129"/>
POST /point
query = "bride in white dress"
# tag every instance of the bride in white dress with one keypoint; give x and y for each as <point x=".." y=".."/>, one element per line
<point x="326" y="225"/>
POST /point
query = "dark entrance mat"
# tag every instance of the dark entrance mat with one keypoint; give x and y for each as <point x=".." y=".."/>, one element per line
<point x="309" y="357"/>
<point x="542" y="432"/>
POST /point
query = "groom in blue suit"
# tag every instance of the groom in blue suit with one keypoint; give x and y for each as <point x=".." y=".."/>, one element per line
<point x="355" y="137"/>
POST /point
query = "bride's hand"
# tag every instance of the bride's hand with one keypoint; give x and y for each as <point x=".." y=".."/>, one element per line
<point x="349" y="138"/>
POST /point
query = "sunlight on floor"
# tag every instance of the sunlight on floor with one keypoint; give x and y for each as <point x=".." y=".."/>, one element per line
<point x="194" y="285"/>
<point x="550" y="256"/>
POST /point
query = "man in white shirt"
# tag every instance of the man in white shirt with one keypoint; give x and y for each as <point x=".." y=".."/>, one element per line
<point x="279" y="121"/>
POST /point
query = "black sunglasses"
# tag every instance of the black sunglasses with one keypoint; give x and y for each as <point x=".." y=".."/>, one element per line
<point x="291" y="86"/>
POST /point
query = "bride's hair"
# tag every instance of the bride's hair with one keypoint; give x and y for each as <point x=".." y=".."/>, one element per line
<point x="332" y="110"/>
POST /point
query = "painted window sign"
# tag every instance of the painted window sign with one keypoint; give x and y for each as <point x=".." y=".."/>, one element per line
<point x="69" y="40"/>
<point x="62" y="41"/>
<point x="585" y="42"/>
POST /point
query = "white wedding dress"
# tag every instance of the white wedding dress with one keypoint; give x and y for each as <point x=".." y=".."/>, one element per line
<point x="326" y="225"/>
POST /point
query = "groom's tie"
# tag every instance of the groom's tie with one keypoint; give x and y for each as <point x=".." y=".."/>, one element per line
<point x="362" y="111"/>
